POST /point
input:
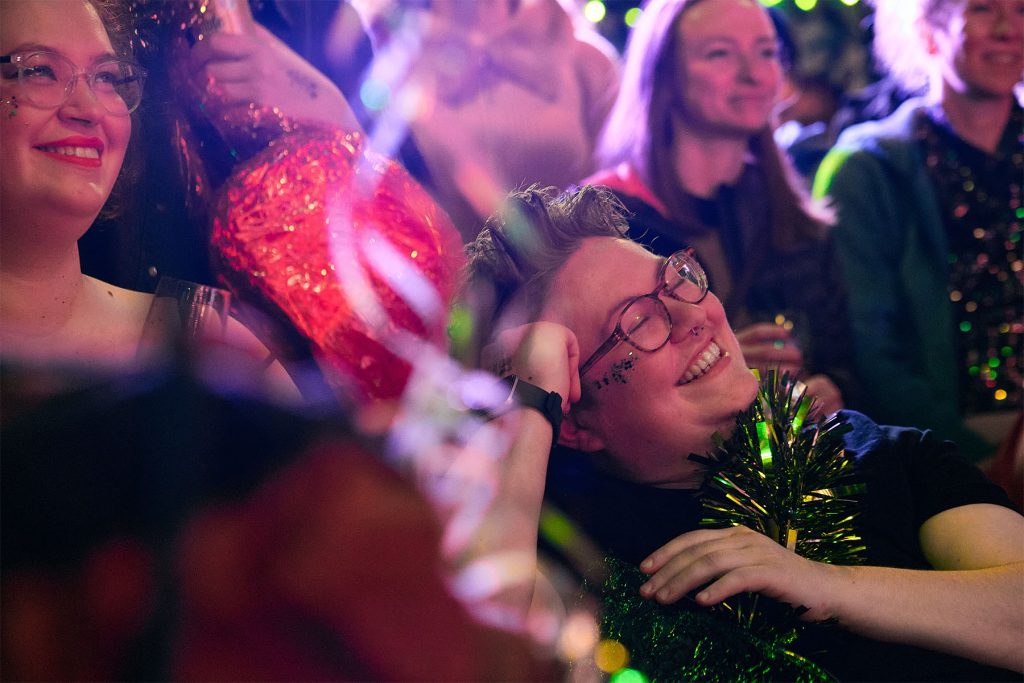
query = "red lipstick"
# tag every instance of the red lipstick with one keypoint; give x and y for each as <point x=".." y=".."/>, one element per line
<point x="76" y="149"/>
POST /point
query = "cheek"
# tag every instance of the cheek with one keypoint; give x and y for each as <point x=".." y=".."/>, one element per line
<point x="620" y="372"/>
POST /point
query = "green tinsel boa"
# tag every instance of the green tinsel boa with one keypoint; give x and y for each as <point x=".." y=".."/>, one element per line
<point x="778" y="477"/>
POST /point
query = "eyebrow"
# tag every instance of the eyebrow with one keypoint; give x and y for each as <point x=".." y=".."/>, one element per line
<point x="40" y="47"/>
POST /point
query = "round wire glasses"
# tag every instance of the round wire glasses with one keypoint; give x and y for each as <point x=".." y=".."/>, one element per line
<point x="645" y="322"/>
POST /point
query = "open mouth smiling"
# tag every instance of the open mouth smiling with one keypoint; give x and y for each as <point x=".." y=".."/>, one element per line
<point x="705" y="361"/>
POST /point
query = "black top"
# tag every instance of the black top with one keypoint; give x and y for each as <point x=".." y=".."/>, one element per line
<point x="909" y="476"/>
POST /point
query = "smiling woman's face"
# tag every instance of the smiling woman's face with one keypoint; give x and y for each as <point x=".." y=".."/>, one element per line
<point x="729" y="52"/>
<point x="649" y="411"/>
<point x="61" y="161"/>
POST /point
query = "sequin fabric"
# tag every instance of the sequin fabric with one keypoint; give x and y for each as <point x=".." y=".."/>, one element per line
<point x="347" y="248"/>
<point x="980" y="201"/>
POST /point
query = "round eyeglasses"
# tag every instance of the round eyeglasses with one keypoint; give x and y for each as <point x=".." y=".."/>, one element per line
<point x="645" y="322"/>
<point x="47" y="79"/>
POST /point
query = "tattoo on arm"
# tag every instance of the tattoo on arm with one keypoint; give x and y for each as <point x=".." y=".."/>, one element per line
<point x="304" y="82"/>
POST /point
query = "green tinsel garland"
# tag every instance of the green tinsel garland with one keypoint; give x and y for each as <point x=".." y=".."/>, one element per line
<point x="774" y="476"/>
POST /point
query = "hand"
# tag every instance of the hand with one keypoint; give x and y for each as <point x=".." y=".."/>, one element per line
<point x="735" y="560"/>
<point x="258" y="68"/>
<point x="543" y="353"/>
<point x="825" y="392"/>
<point x="767" y="345"/>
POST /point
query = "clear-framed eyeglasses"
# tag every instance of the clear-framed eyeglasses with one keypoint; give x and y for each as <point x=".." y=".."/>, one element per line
<point x="47" y="79"/>
<point x="645" y="322"/>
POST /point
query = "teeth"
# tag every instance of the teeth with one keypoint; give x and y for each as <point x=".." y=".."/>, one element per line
<point x="81" y="152"/>
<point x="707" y="359"/>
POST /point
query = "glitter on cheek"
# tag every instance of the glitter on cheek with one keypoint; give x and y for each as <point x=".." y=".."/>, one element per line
<point x="617" y="373"/>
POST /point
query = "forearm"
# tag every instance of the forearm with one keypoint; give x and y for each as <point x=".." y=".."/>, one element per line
<point x="978" y="614"/>
<point x="507" y="535"/>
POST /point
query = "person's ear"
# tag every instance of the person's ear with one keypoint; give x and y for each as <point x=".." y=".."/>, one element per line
<point x="575" y="434"/>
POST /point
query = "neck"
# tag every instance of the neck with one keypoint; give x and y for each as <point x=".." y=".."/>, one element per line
<point x="703" y="164"/>
<point x="976" y="119"/>
<point x="40" y="287"/>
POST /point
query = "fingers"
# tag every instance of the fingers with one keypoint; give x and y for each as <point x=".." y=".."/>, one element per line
<point x="221" y="47"/>
<point x="727" y="560"/>
<point x="762" y="355"/>
<point x="762" y="332"/>
<point x="825" y="392"/>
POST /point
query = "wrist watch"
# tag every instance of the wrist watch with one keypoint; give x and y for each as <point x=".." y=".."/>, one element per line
<point x="526" y="395"/>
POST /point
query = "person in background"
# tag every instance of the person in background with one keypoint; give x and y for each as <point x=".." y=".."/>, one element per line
<point x="929" y="223"/>
<point x="688" y="147"/>
<point x="488" y="96"/>
<point x="644" y="368"/>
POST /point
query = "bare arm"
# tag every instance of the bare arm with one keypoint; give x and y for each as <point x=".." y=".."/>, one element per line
<point x="972" y="605"/>
<point x="546" y="355"/>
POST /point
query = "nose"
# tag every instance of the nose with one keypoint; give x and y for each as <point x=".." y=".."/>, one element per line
<point x="81" y="104"/>
<point x="1009" y="23"/>
<point x="746" y="71"/>
<point x="686" y="319"/>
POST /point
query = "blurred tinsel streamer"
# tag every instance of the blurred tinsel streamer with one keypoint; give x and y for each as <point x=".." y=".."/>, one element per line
<point x="777" y="476"/>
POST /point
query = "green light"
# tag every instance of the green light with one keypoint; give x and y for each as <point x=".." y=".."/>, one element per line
<point x="594" y="11"/>
<point x="806" y="5"/>
<point x="973" y="370"/>
<point x="965" y="326"/>
<point x="1006" y="350"/>
<point x="557" y="529"/>
<point x="627" y="676"/>
<point x="632" y="16"/>
<point x="993" y="362"/>
<point x="1020" y="212"/>
<point x="770" y="3"/>
<point x="849" y="3"/>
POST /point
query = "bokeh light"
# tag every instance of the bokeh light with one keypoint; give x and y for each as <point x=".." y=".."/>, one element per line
<point x="806" y="5"/>
<point x="611" y="656"/>
<point x="632" y="16"/>
<point x="579" y="635"/>
<point x="594" y="11"/>
<point x="628" y="676"/>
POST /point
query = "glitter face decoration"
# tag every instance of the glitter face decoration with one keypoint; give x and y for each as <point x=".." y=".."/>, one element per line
<point x="347" y="248"/>
<point x="618" y="372"/>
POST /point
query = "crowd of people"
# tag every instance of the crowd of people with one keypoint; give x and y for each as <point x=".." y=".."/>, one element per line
<point x="377" y="351"/>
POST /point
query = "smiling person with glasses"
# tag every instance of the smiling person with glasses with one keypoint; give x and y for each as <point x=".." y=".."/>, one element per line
<point x="69" y="94"/>
<point x="628" y="364"/>
<point x="68" y="88"/>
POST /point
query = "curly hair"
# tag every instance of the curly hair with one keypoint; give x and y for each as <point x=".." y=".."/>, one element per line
<point x="118" y="22"/>
<point x="515" y="258"/>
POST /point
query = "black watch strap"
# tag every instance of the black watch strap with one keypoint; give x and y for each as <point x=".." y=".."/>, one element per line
<point x="527" y="395"/>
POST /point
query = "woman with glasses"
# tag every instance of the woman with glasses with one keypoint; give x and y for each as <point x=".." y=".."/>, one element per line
<point x="629" y="364"/>
<point x="688" y="148"/>
<point x="69" y="89"/>
<point x="67" y="94"/>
